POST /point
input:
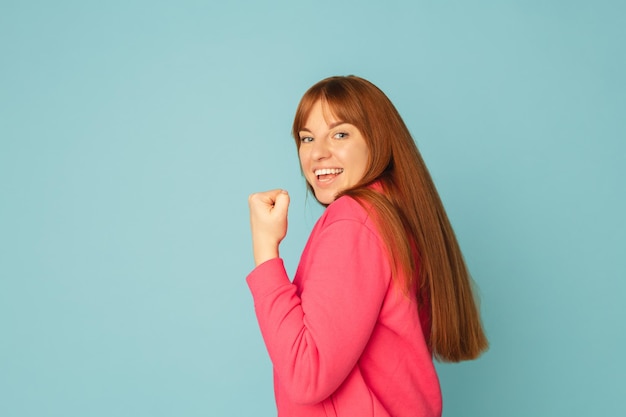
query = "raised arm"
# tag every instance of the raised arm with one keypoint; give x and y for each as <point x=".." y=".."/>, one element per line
<point x="316" y="338"/>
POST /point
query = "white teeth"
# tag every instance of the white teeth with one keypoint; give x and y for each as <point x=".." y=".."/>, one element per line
<point x="327" y="171"/>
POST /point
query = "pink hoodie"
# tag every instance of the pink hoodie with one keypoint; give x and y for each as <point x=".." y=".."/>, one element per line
<point x="343" y="338"/>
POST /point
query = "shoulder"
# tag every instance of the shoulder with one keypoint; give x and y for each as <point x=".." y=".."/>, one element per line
<point x="346" y="208"/>
<point x="346" y="231"/>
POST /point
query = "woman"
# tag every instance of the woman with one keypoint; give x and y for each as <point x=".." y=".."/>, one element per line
<point x="381" y="287"/>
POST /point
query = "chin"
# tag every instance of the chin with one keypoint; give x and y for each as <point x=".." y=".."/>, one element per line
<point x="325" y="197"/>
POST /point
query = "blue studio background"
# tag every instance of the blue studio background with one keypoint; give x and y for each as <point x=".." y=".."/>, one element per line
<point x="132" y="132"/>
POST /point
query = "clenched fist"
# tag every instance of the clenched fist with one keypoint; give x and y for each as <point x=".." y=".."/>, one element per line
<point x="268" y="223"/>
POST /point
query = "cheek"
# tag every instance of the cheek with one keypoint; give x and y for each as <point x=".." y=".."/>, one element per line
<point x="361" y="160"/>
<point x="303" y="159"/>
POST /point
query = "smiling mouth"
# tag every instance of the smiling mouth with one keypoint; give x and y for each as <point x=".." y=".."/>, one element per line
<point x="327" y="174"/>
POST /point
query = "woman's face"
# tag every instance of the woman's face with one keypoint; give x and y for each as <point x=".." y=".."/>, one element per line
<point x="333" y="154"/>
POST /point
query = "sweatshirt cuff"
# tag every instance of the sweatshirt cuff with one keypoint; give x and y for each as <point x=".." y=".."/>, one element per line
<point x="266" y="277"/>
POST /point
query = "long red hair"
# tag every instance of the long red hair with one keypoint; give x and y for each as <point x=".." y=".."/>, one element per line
<point x="410" y="215"/>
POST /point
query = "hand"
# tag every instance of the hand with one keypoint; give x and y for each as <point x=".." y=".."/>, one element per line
<point x="268" y="223"/>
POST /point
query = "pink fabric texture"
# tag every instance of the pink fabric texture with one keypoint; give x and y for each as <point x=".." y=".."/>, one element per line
<point x="343" y="338"/>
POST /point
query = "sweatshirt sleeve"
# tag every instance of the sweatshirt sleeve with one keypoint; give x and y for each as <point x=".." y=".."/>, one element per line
<point x="315" y="339"/>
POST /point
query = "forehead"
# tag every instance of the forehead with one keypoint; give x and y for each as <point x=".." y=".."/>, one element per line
<point x="321" y="108"/>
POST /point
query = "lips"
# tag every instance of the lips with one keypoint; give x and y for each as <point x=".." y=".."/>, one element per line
<point x="326" y="173"/>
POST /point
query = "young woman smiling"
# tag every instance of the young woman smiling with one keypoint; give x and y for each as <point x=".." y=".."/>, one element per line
<point x="381" y="287"/>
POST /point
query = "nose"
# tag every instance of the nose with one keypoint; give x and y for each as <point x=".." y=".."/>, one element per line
<point x="320" y="150"/>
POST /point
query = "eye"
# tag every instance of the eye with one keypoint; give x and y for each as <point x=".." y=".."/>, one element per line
<point x="340" y="135"/>
<point x="306" y="139"/>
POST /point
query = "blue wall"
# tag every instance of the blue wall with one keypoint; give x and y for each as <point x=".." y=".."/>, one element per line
<point x="131" y="133"/>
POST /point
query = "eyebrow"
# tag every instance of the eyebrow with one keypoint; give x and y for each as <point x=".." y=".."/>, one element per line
<point x="331" y="126"/>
